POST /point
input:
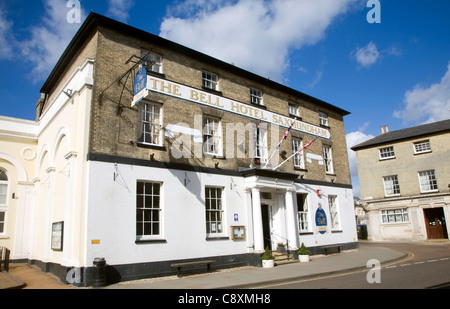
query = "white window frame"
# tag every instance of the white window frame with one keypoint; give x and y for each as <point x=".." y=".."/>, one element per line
<point x="214" y="212"/>
<point x="4" y="206"/>
<point x="333" y="207"/>
<point x="299" y="158"/>
<point x="392" y="216"/>
<point x="158" y="59"/>
<point x="328" y="159"/>
<point x="210" y="81"/>
<point x="256" y="96"/>
<point x="422" y="147"/>
<point x="323" y="119"/>
<point x="304" y="224"/>
<point x="146" y="198"/>
<point x="428" y="181"/>
<point x="150" y="127"/>
<point x="386" y="153"/>
<point x="212" y="136"/>
<point x="261" y="145"/>
<point x="391" y="186"/>
<point x="293" y="109"/>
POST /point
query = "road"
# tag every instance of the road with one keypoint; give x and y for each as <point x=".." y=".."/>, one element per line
<point x="427" y="265"/>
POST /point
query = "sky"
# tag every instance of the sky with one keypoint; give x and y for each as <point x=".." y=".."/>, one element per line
<point x="385" y="61"/>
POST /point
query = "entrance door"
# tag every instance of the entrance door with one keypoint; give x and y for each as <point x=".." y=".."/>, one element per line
<point x="266" y="226"/>
<point x="435" y="223"/>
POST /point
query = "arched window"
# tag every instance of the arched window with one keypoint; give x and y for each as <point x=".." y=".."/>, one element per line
<point x="3" y="199"/>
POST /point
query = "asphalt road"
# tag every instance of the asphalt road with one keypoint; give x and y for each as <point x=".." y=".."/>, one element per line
<point x="427" y="266"/>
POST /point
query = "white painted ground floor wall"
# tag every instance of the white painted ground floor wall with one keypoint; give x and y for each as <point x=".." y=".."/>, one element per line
<point x="111" y="214"/>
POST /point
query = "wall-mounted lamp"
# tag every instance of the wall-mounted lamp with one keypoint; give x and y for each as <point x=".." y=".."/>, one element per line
<point x="68" y="93"/>
<point x="318" y="192"/>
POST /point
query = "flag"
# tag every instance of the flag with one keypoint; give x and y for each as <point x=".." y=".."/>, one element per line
<point x="282" y="140"/>
<point x="295" y="153"/>
<point x="285" y="134"/>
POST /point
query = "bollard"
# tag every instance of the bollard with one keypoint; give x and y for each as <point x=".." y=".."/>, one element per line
<point x="99" y="273"/>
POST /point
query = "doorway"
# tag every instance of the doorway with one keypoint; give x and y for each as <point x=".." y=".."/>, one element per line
<point x="435" y="223"/>
<point x="265" y="212"/>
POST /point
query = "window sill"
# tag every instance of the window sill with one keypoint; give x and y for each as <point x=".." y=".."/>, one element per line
<point x="300" y="169"/>
<point x="150" y="241"/>
<point x="337" y="231"/>
<point x="162" y="75"/>
<point x="385" y="159"/>
<point x="214" y="91"/>
<point x="258" y="105"/>
<point x="208" y="238"/>
<point x="392" y="195"/>
<point x="306" y="233"/>
<point x="150" y="146"/>
<point x="325" y="126"/>
<point x="423" y="152"/>
<point x="431" y="191"/>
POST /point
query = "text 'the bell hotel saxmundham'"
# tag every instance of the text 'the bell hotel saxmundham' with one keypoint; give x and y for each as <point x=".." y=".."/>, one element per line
<point x="178" y="172"/>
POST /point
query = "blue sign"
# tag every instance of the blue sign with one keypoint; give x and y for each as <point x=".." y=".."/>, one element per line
<point x="140" y="81"/>
<point x="321" y="220"/>
<point x="236" y="217"/>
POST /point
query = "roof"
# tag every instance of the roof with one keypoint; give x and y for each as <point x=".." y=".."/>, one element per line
<point x="413" y="132"/>
<point x="93" y="21"/>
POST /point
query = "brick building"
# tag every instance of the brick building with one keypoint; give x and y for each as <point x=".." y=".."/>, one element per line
<point x="404" y="179"/>
<point x="145" y="153"/>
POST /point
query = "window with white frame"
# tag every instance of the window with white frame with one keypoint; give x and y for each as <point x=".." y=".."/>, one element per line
<point x="293" y="110"/>
<point x="391" y="186"/>
<point x="151" y="57"/>
<point x="210" y="81"/>
<point x="148" y="210"/>
<point x="422" y="147"/>
<point x="427" y="181"/>
<point x="323" y="119"/>
<point x="334" y="212"/>
<point x="387" y="153"/>
<point x="2" y="221"/>
<point x="395" y="215"/>
<point x="299" y="161"/>
<point x="3" y="188"/>
<point x="150" y="120"/>
<point x="212" y="136"/>
<point x="328" y="158"/>
<point x="303" y="215"/>
<point x="214" y="210"/>
<point x="256" y="97"/>
<point x="261" y="145"/>
<point x="4" y="183"/>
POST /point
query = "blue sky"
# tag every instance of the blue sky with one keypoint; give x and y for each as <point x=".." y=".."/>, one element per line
<point x="395" y="73"/>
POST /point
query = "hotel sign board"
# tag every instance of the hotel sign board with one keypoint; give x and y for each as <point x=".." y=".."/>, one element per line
<point x="159" y="85"/>
<point x="140" y="86"/>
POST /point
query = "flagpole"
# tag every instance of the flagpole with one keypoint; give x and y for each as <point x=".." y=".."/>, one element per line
<point x="297" y="152"/>
<point x="282" y="140"/>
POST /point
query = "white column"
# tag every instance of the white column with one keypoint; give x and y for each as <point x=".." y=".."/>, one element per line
<point x="258" y="234"/>
<point x="48" y="212"/>
<point x="290" y="221"/>
<point x="68" y="213"/>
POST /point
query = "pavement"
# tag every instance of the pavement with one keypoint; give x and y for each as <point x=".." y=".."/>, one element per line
<point x="25" y="276"/>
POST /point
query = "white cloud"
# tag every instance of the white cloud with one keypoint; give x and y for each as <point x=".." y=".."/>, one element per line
<point x="355" y="138"/>
<point x="6" y="39"/>
<point x="49" y="39"/>
<point x="256" y="35"/>
<point x="427" y="104"/>
<point x="367" y="55"/>
<point x="119" y="9"/>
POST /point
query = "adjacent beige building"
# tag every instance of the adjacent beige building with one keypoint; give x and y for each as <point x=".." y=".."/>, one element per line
<point x="405" y="182"/>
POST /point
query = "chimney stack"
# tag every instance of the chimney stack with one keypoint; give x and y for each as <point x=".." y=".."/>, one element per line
<point x="382" y="129"/>
<point x="386" y="129"/>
